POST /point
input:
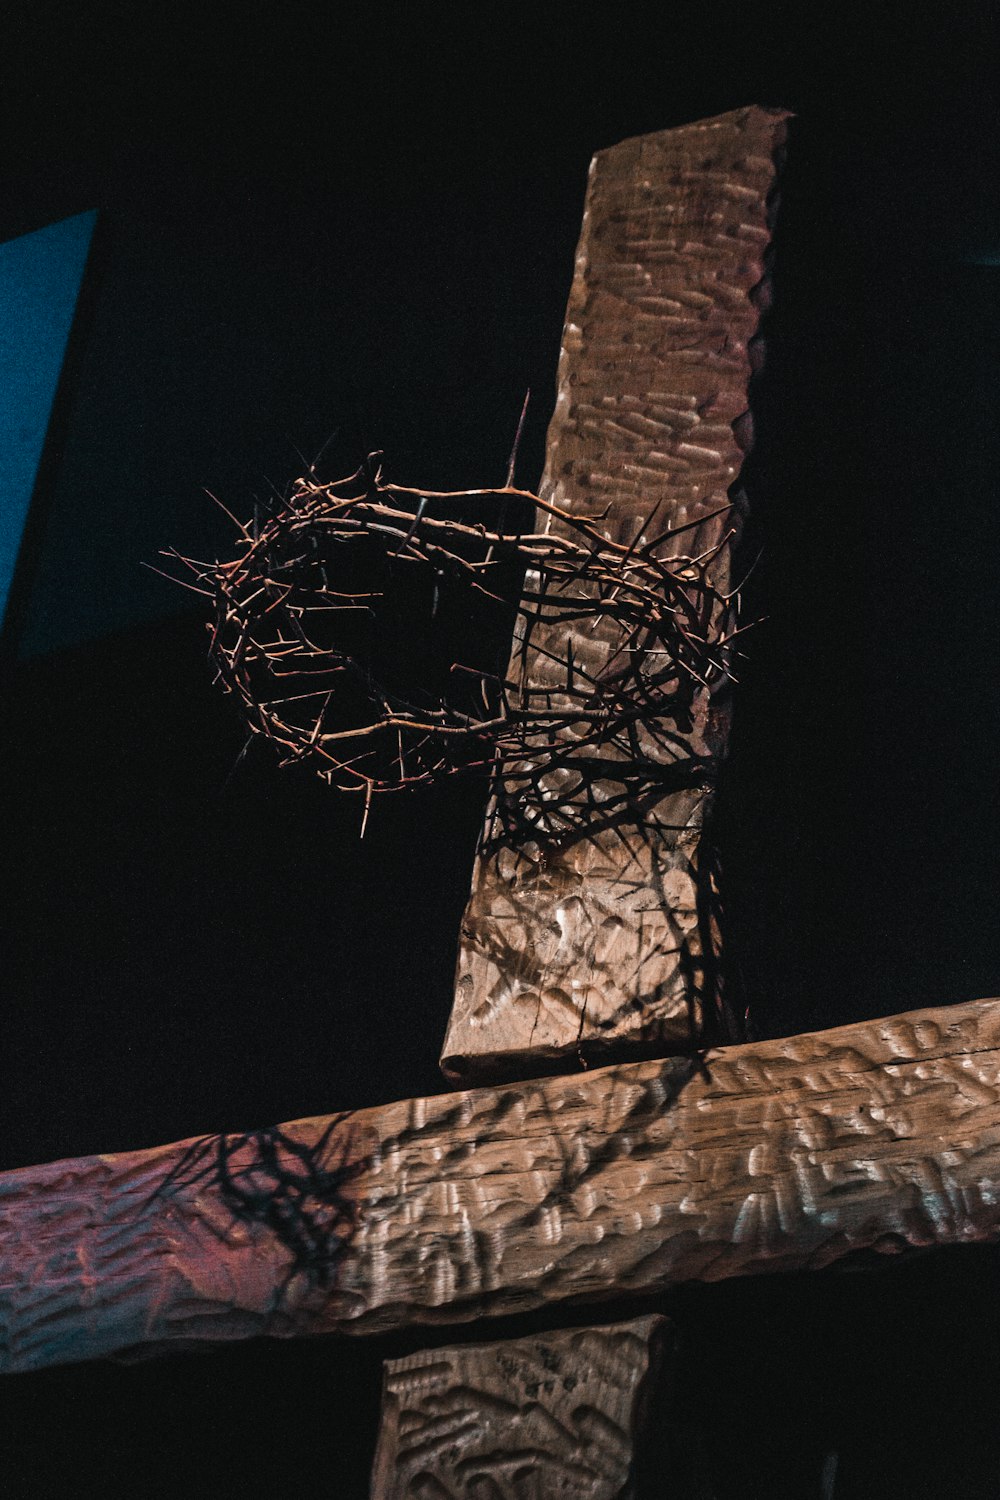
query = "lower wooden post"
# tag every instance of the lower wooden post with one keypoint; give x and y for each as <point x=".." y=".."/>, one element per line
<point x="521" y="1419"/>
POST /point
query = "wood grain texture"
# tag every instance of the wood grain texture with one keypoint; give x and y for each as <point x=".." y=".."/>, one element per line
<point x="598" y="934"/>
<point x="519" y="1419"/>
<point x="782" y="1155"/>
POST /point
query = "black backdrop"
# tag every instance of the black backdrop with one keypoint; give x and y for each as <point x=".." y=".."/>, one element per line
<point x="358" y="226"/>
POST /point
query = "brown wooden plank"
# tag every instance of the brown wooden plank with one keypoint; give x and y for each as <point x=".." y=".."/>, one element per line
<point x="787" y="1154"/>
<point x="594" y="935"/>
<point x="517" y="1419"/>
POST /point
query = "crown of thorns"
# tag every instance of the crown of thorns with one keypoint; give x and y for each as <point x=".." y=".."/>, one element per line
<point x="324" y="616"/>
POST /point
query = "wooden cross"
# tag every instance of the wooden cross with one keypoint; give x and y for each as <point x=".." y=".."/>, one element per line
<point x="616" y="1181"/>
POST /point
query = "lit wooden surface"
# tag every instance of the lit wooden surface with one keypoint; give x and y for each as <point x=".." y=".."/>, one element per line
<point x="602" y="936"/>
<point x="626" y="1180"/>
<point x="519" y="1419"/>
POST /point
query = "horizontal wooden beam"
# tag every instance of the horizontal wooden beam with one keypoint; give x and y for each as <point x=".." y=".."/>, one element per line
<point x="773" y="1156"/>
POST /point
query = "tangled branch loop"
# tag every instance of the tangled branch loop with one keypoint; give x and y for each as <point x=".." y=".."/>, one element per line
<point x="349" y="626"/>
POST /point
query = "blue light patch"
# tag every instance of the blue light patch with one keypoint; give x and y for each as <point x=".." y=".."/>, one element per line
<point x="40" y="279"/>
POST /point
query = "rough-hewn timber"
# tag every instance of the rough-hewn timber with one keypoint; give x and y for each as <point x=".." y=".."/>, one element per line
<point x="780" y="1155"/>
<point x="519" y="1419"/>
<point x="600" y="936"/>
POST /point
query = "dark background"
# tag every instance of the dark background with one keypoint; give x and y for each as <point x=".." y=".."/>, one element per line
<point x="356" y="228"/>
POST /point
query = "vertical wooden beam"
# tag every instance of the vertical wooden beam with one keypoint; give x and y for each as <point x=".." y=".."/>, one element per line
<point x="601" y="937"/>
<point x="520" y="1419"/>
